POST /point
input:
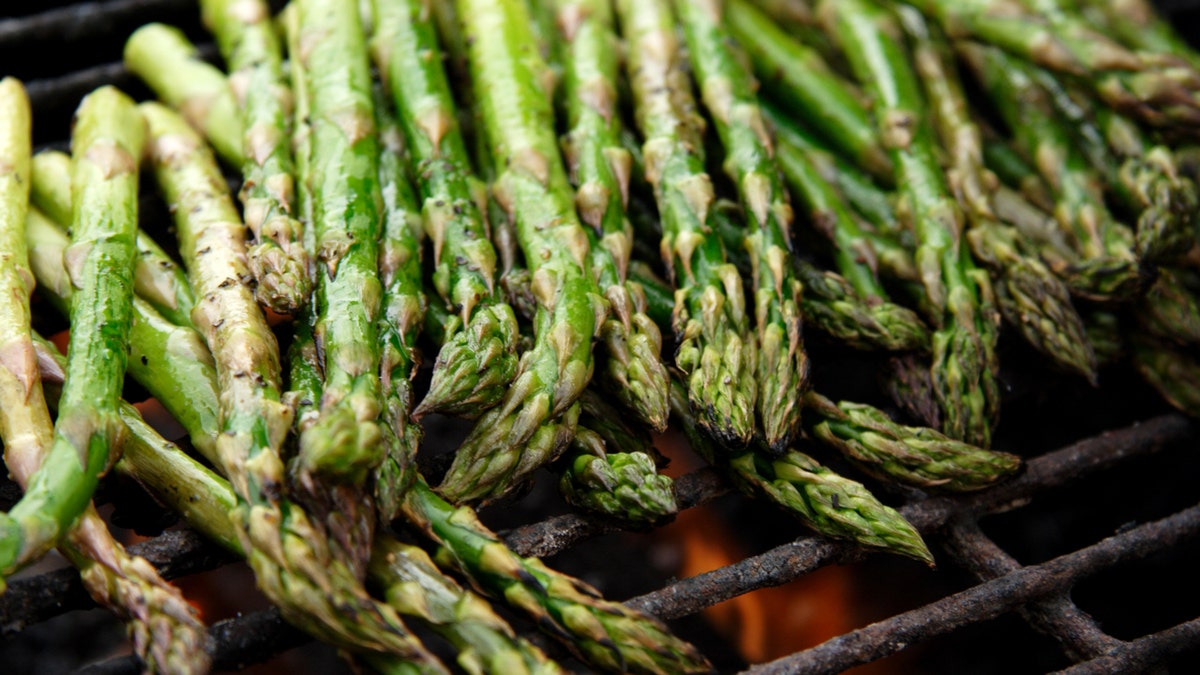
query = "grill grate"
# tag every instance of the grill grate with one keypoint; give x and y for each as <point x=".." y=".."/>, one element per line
<point x="1040" y="593"/>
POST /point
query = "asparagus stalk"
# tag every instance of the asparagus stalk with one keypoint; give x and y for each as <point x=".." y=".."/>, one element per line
<point x="532" y="423"/>
<point x="156" y="277"/>
<point x="292" y="559"/>
<point x="1170" y="311"/>
<point x="344" y="442"/>
<point x="408" y="579"/>
<point x="821" y="499"/>
<point x="726" y="88"/>
<point x="600" y="168"/>
<point x="106" y="146"/>
<point x="1107" y="268"/>
<point x="717" y="351"/>
<point x="1140" y="27"/>
<point x="1030" y="297"/>
<point x="166" y="633"/>
<point x="1172" y="370"/>
<point x="964" y="365"/>
<point x="624" y="486"/>
<point x="171" y="66"/>
<point x="799" y="76"/>
<point x="403" y="311"/>
<point x="606" y="635"/>
<point x="1159" y="89"/>
<point x="306" y="370"/>
<point x="251" y="48"/>
<point x="484" y="642"/>
<point x="916" y="456"/>
<point x="830" y="303"/>
<point x="1150" y="182"/>
<point x="170" y="361"/>
<point x="478" y="358"/>
<point x="800" y="153"/>
<point x="611" y="469"/>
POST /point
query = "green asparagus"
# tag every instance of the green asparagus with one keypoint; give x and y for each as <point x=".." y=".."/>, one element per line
<point x="726" y="87"/>
<point x="156" y="277"/>
<point x="824" y="501"/>
<point x="343" y="444"/>
<point x="717" y="350"/>
<point x="291" y="557"/>
<point x="600" y="168"/>
<point x="1030" y="297"/>
<point x="1159" y="89"/>
<point x="799" y="76"/>
<point x="106" y="147"/>
<point x="166" y="633"/>
<point x="169" y="64"/>
<point x="402" y="315"/>
<point x="916" y="456"/>
<point x="1106" y="267"/>
<point x="478" y="359"/>
<point x="964" y="361"/>
<point x="251" y="48"/>
<point x="533" y="422"/>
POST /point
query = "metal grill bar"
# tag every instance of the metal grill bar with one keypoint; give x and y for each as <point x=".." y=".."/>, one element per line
<point x="784" y="563"/>
<point x="1143" y="653"/>
<point x="234" y="644"/>
<point x="1056" y="616"/>
<point x="985" y="601"/>
<point x="85" y="20"/>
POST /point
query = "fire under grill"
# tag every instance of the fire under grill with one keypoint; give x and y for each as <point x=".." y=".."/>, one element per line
<point x="1110" y="518"/>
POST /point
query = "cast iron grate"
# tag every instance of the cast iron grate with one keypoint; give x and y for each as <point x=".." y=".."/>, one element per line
<point x="62" y="52"/>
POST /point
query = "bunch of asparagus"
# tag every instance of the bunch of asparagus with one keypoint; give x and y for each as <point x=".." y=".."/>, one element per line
<point x="385" y="214"/>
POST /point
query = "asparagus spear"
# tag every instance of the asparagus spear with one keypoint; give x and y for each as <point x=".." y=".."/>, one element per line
<point x="624" y="486"/>
<point x="717" y="351"/>
<point x="306" y="370"/>
<point x="484" y="642"/>
<point x="600" y="169"/>
<point x="888" y="242"/>
<point x="167" y="635"/>
<point x="824" y="501"/>
<point x="156" y="277"/>
<point x="1170" y="311"/>
<point x="831" y="304"/>
<point x="403" y="311"/>
<point x="611" y="469"/>
<point x="1140" y="27"/>
<point x="291" y="558"/>
<point x="106" y="145"/>
<point x="726" y="88"/>
<point x="344" y="442"/>
<point x="252" y="52"/>
<point x="478" y="358"/>
<point x="916" y="456"/>
<point x="1172" y="370"/>
<point x="1149" y="181"/>
<point x="1107" y="267"/>
<point x="170" y="65"/>
<point x="1158" y="89"/>
<point x="799" y="76"/>
<point x="1030" y="297"/>
<point x="963" y="369"/>
<point x="604" y="634"/>
<point x="170" y="361"/>
<point x="532" y="423"/>
<point x="409" y="581"/>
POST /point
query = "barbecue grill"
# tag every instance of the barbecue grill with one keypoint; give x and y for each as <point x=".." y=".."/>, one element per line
<point x="1093" y="546"/>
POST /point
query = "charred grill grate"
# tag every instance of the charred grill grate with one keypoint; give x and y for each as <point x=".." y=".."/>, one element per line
<point x="1039" y="593"/>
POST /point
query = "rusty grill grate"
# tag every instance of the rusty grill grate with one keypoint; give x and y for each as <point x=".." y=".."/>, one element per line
<point x="1041" y="593"/>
